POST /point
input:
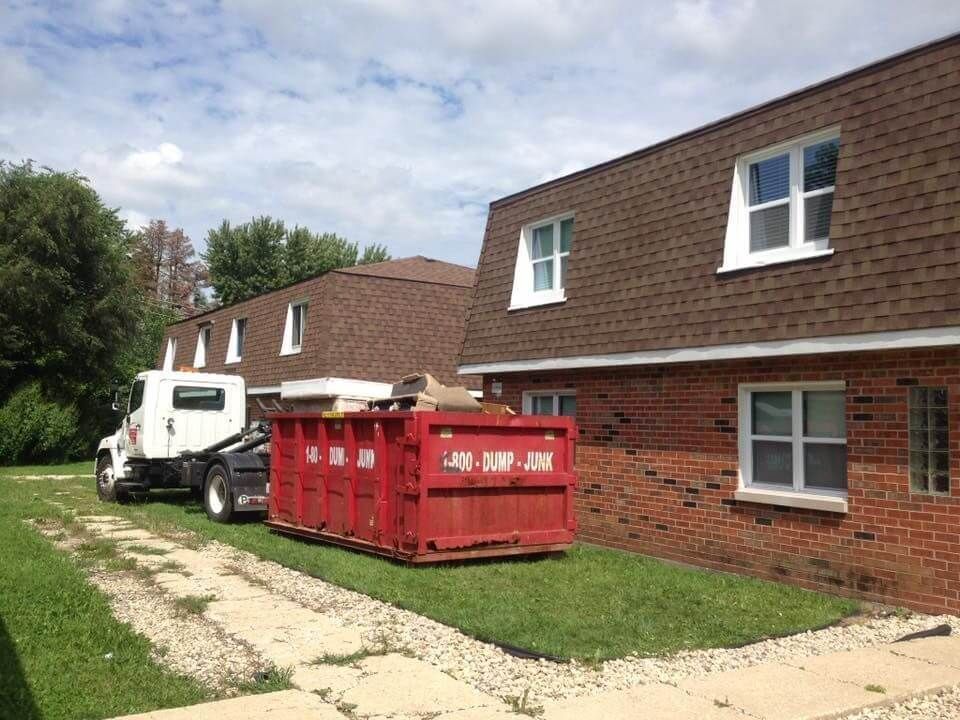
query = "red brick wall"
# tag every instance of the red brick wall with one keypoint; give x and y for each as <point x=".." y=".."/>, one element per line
<point x="658" y="465"/>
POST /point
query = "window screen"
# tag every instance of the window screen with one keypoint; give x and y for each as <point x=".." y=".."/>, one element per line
<point x="198" y="398"/>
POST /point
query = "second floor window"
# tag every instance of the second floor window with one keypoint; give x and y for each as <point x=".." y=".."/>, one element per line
<point x="540" y="274"/>
<point x="204" y="338"/>
<point x="294" y="328"/>
<point x="238" y="333"/>
<point x="782" y="202"/>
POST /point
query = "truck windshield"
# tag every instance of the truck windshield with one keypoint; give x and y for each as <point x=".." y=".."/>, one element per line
<point x="198" y="398"/>
<point x="136" y="396"/>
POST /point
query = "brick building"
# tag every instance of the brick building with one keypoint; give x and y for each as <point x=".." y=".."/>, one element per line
<point x="757" y="327"/>
<point x="370" y="322"/>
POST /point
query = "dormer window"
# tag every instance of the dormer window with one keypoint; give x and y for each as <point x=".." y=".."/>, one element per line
<point x="293" y="328"/>
<point x="204" y="337"/>
<point x="540" y="275"/>
<point x="781" y="203"/>
<point x="238" y="332"/>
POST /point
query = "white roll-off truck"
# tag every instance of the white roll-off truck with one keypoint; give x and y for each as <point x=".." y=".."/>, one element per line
<point x="186" y="430"/>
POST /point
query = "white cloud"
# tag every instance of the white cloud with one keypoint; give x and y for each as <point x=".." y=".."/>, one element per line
<point x="390" y="123"/>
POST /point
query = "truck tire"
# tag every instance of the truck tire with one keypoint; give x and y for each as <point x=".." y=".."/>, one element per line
<point x="217" y="495"/>
<point x="107" y="481"/>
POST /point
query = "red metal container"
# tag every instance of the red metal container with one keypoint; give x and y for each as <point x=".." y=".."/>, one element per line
<point x="425" y="486"/>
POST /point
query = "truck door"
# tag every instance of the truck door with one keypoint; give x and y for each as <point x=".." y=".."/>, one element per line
<point x="197" y="415"/>
<point x="133" y="420"/>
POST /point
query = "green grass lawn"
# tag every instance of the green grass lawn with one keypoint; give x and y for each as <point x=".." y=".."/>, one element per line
<point x="81" y="467"/>
<point x="62" y="654"/>
<point x="590" y="603"/>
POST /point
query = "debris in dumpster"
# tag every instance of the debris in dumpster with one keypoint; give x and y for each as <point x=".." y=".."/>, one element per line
<point x="422" y="391"/>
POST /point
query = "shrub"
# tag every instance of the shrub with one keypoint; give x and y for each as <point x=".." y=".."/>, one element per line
<point x="36" y="429"/>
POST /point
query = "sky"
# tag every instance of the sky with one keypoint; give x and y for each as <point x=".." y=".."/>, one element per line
<point x="397" y="122"/>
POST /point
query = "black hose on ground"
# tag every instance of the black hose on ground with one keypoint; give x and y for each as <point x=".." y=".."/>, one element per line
<point x="938" y="631"/>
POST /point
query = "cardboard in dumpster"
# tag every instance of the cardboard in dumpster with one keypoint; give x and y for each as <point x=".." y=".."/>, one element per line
<point x="423" y="392"/>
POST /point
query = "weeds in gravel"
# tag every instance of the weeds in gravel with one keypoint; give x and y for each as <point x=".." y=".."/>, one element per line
<point x="725" y="703"/>
<point x="139" y="549"/>
<point x="522" y="705"/>
<point x="348" y="659"/>
<point x="875" y="688"/>
<point x="96" y="550"/>
<point x="120" y="564"/>
<point x="193" y="604"/>
<point x="324" y="693"/>
<point x="170" y="566"/>
<point x="270" y="680"/>
<point x="347" y="709"/>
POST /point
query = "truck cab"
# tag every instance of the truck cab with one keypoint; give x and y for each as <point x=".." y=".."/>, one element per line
<point x="170" y="418"/>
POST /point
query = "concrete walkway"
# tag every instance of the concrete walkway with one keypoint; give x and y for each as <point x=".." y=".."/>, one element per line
<point x="404" y="688"/>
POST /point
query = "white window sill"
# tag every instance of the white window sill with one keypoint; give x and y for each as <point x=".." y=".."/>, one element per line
<point x="232" y="361"/>
<point x="806" y="501"/>
<point x="547" y="299"/>
<point x="779" y="260"/>
<point x="290" y="351"/>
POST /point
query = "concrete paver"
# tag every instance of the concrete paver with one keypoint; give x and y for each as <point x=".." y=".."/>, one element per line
<point x="401" y="685"/>
<point x="941" y="650"/>
<point x="646" y="702"/>
<point x="335" y="678"/>
<point x="283" y="705"/>
<point x="777" y="692"/>
<point x="900" y="676"/>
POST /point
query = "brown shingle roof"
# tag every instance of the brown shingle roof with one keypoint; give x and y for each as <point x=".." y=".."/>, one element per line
<point x="377" y="322"/>
<point x="419" y="268"/>
<point x="649" y="230"/>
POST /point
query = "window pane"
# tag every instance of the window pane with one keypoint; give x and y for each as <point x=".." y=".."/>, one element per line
<point x="770" y="228"/>
<point x="568" y="405"/>
<point x="824" y="414"/>
<point x="825" y="466"/>
<point x="566" y="235"/>
<point x="543" y="275"/>
<point x="198" y="398"/>
<point x="541" y="405"/>
<point x="542" y="242"/>
<point x="929" y="433"/>
<point x="919" y="480"/>
<point x="241" y="332"/>
<point x="773" y="462"/>
<point x="299" y="316"/>
<point x="772" y="413"/>
<point x="820" y="165"/>
<point x="136" y="396"/>
<point x="769" y="179"/>
<point x="563" y="271"/>
<point x="816" y="216"/>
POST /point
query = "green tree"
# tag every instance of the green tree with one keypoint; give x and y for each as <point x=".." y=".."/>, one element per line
<point x="263" y="255"/>
<point x="65" y="282"/>
<point x="68" y="307"/>
<point x="245" y="260"/>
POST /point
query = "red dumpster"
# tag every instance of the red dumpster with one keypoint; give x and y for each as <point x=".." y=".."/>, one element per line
<point x="425" y="486"/>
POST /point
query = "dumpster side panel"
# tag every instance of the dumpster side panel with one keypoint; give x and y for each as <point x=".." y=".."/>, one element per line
<point x="500" y="482"/>
<point x="425" y="486"/>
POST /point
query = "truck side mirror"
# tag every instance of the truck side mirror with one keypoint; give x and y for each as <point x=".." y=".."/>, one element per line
<point x="115" y="405"/>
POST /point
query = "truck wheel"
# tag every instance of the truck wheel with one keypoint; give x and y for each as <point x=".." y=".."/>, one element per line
<point x="217" y="498"/>
<point x="106" y="480"/>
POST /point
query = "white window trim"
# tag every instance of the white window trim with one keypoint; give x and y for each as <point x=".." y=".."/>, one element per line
<point x="523" y="295"/>
<point x="170" y="355"/>
<point x="748" y="491"/>
<point x="200" y="355"/>
<point x="736" y="246"/>
<point x="233" y="356"/>
<point x="528" y="396"/>
<point x="286" y="346"/>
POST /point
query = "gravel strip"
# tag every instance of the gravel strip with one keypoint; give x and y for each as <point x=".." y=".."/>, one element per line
<point x="491" y="670"/>
<point x="187" y="644"/>
<point x="945" y="706"/>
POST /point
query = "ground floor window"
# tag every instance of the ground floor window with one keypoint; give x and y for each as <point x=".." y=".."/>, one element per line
<point x="794" y="437"/>
<point x="550" y="402"/>
<point x="929" y="440"/>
